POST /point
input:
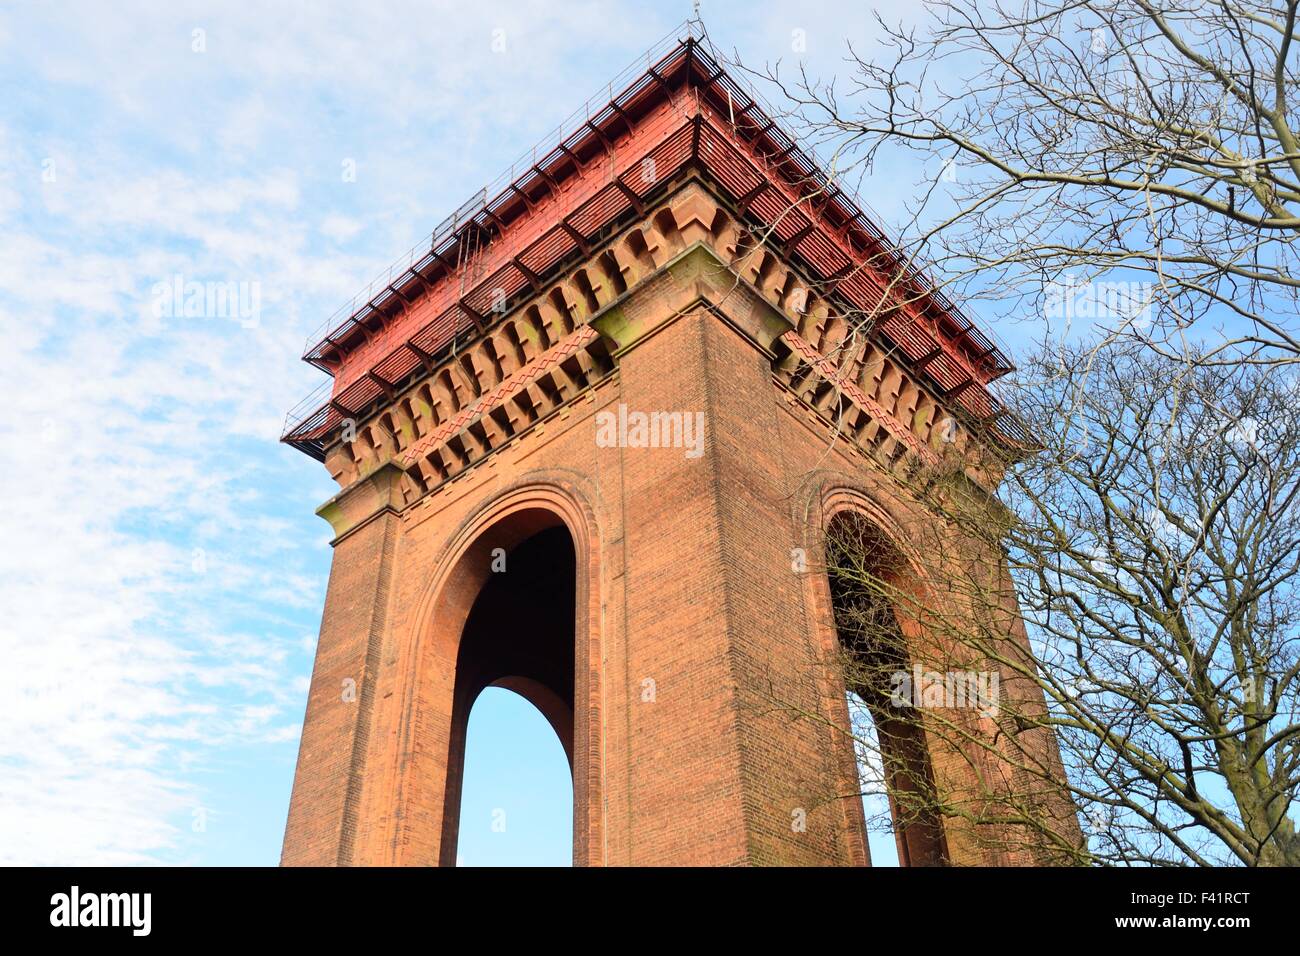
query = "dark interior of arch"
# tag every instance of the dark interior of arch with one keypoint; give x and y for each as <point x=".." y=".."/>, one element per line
<point x="874" y="650"/>
<point x="519" y="635"/>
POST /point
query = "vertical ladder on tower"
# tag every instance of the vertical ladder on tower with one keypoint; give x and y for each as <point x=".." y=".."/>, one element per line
<point x="470" y="264"/>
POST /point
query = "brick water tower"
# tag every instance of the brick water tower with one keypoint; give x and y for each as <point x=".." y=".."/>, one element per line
<point x="578" y="435"/>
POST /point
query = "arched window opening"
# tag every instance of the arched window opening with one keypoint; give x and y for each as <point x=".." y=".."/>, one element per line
<point x="515" y="672"/>
<point x="866" y="576"/>
<point x="517" y="797"/>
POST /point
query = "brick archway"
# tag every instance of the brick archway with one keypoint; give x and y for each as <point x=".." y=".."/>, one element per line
<point x="532" y="629"/>
<point x="519" y="634"/>
<point x="833" y="501"/>
<point x="886" y="648"/>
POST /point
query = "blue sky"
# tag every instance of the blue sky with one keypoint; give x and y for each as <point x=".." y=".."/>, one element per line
<point x="164" y="571"/>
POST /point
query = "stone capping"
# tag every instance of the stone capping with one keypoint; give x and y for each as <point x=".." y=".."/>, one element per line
<point x="364" y="500"/>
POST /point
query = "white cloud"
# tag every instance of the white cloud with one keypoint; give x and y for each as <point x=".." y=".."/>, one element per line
<point x="340" y="228"/>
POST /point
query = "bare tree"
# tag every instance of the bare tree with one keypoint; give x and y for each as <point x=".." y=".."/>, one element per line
<point x="1152" y="539"/>
<point x="1066" y="143"/>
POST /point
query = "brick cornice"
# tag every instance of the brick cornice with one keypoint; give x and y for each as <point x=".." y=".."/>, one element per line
<point x="834" y="377"/>
<point x="508" y="389"/>
<point x="689" y="252"/>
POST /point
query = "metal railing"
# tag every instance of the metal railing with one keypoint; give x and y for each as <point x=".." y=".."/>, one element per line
<point x="313" y="402"/>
